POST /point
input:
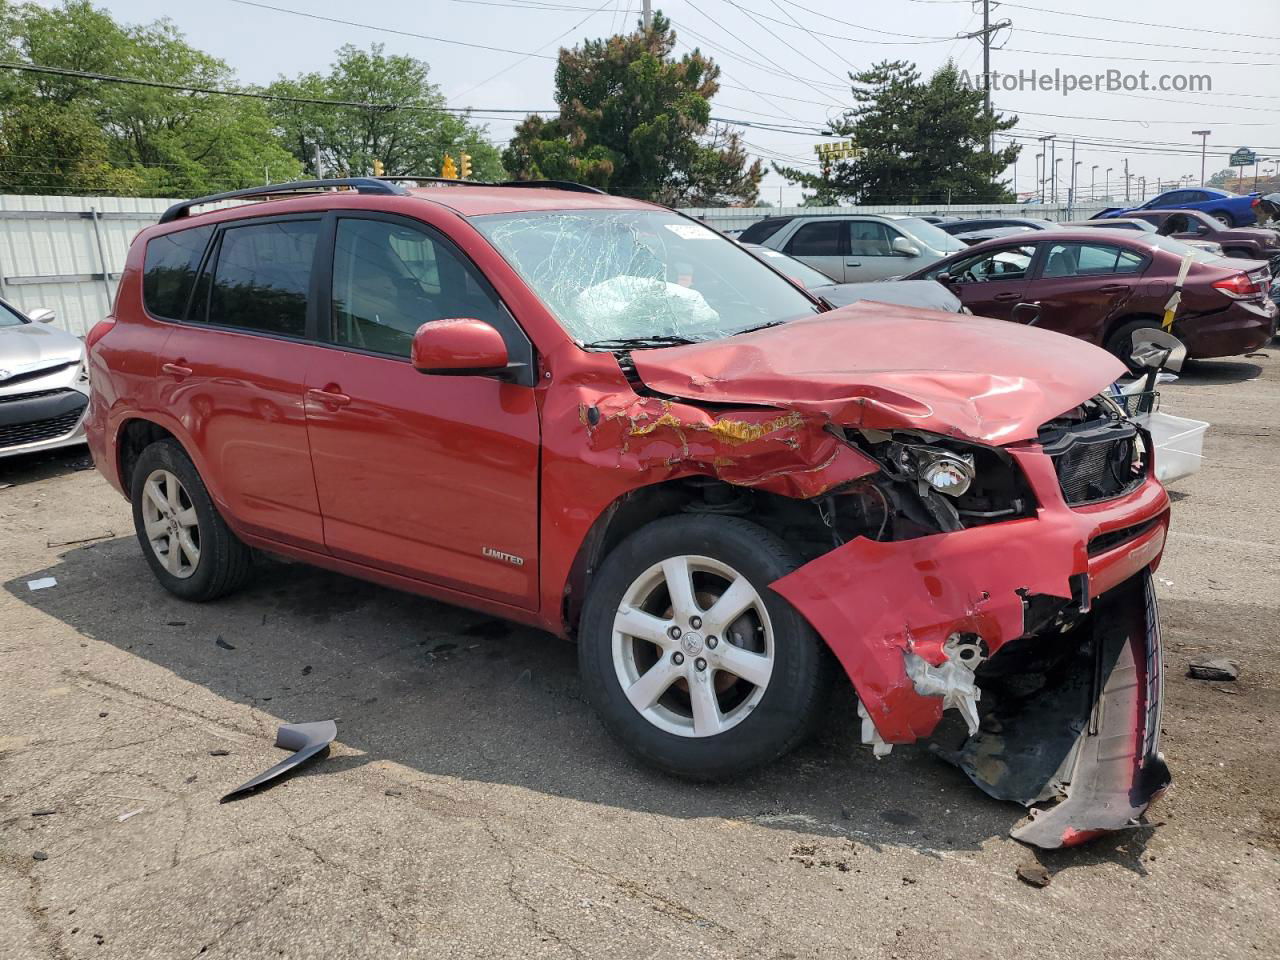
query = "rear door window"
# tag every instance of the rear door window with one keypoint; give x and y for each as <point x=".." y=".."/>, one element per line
<point x="822" y="238"/>
<point x="1090" y="260"/>
<point x="262" y="275"/>
<point x="169" y="271"/>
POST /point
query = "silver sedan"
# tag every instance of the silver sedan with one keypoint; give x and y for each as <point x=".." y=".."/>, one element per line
<point x="44" y="384"/>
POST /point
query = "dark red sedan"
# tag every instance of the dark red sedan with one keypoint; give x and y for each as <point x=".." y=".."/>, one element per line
<point x="1103" y="289"/>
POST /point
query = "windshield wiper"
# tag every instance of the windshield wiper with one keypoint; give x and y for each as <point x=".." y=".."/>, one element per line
<point x="630" y="343"/>
<point x="763" y="326"/>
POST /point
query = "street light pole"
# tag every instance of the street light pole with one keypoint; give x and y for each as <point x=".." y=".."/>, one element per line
<point x="1093" y="184"/>
<point x="1204" y="140"/>
<point x="1106" y="187"/>
<point x="1055" y="178"/>
<point x="1040" y="175"/>
<point x="1048" y="160"/>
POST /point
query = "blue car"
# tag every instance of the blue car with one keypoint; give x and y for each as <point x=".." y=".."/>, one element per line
<point x="1229" y="209"/>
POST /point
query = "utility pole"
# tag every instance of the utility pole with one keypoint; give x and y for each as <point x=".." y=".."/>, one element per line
<point x="648" y="14"/>
<point x="1093" y="184"/>
<point x="1204" y="140"/>
<point x="319" y="165"/>
<point x="1055" y="178"/>
<point x="1106" y="187"/>
<point x="1040" y="176"/>
<point x="988" y="30"/>
<point x="1126" y="180"/>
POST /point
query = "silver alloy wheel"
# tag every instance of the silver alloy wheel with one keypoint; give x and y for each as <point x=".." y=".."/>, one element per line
<point x="693" y="646"/>
<point x="170" y="521"/>
<point x="1223" y="219"/>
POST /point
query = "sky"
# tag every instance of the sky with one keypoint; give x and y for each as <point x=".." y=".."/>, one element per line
<point x="784" y="64"/>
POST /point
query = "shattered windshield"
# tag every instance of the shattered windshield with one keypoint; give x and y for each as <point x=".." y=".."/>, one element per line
<point x="619" y="275"/>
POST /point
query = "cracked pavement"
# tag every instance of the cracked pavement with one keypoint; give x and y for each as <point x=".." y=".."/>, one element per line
<point x="472" y="805"/>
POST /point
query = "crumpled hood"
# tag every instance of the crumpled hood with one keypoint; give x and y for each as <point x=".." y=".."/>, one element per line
<point x="883" y="367"/>
<point x="32" y="346"/>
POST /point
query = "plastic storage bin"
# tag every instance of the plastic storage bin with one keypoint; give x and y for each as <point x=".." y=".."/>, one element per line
<point x="1178" y="441"/>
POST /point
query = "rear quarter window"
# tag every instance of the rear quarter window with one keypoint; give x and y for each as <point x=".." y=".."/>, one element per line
<point x="762" y="231"/>
<point x="169" y="270"/>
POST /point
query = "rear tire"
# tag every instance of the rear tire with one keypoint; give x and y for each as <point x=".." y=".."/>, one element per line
<point x="188" y="545"/>
<point x="1120" y="343"/>
<point x="734" y="690"/>
<point x="1223" y="218"/>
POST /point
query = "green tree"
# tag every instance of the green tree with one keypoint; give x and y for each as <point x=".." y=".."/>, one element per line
<point x="69" y="134"/>
<point x="1223" y="177"/>
<point x="635" y="121"/>
<point x="922" y="141"/>
<point x="406" y="128"/>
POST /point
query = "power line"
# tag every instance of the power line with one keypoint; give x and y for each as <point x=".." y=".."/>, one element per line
<point x="1110" y="56"/>
<point x="1135" y="23"/>
<point x="385" y="29"/>
<point x="537" y="50"/>
<point x="781" y="70"/>
<point x="259" y="95"/>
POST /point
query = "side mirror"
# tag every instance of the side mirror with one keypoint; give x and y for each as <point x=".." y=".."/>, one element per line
<point x="41" y="315"/>
<point x="1156" y="349"/>
<point x="945" y="279"/>
<point x="459" y="347"/>
<point x="1202" y="228"/>
<point x="905" y="248"/>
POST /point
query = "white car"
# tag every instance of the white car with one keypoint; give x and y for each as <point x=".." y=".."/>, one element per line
<point x="44" y="384"/>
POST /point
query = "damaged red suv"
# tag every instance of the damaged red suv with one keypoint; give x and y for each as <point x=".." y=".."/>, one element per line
<point x="598" y="417"/>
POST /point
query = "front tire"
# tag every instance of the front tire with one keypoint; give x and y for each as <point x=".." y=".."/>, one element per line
<point x="692" y="662"/>
<point x="188" y="545"/>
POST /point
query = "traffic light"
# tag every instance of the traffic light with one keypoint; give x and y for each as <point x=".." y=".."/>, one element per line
<point x="465" y="170"/>
<point x="447" y="170"/>
<point x="377" y="168"/>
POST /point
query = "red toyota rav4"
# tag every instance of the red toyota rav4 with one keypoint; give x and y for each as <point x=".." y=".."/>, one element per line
<point x="599" y="417"/>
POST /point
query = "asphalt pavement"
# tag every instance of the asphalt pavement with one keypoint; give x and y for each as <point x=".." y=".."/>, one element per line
<point x="474" y="807"/>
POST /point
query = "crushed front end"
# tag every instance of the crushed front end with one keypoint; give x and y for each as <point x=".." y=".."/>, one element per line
<point x="1013" y="585"/>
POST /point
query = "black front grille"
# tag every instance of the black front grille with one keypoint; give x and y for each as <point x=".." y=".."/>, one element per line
<point x="15" y="435"/>
<point x="14" y="397"/>
<point x="1107" y="541"/>
<point x="1095" y="460"/>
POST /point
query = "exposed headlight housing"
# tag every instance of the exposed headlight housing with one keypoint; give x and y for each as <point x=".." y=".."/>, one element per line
<point x="944" y="471"/>
<point x="949" y="475"/>
<point x="933" y="468"/>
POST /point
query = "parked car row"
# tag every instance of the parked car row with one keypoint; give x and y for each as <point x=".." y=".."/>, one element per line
<point x="1099" y="279"/>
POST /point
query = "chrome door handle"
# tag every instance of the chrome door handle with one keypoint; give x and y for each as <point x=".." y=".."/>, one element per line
<point x="329" y="398"/>
<point x="177" y="370"/>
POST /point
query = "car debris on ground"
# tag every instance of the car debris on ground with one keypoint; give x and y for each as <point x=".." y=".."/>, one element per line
<point x="308" y="740"/>
<point x="1213" y="668"/>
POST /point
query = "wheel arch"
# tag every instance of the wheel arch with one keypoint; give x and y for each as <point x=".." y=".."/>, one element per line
<point x="1115" y="323"/>
<point x="132" y="437"/>
<point x="636" y="508"/>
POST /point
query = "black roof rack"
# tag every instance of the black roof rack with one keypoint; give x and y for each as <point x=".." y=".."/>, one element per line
<point x="370" y="185"/>
<point x="544" y="184"/>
